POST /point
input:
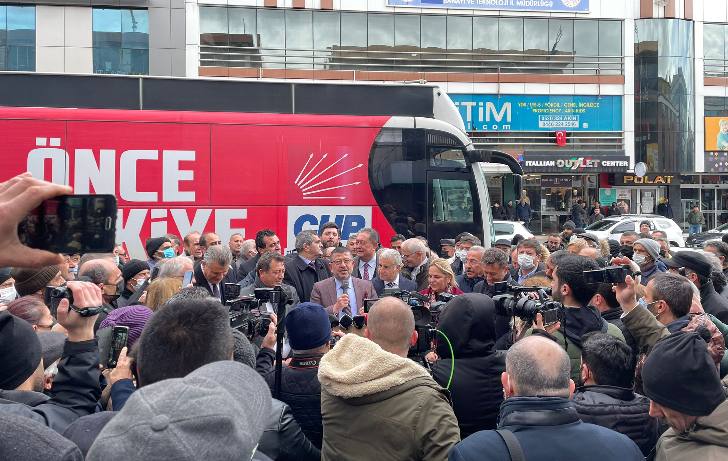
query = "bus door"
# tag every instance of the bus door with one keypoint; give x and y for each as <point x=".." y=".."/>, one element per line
<point x="453" y="206"/>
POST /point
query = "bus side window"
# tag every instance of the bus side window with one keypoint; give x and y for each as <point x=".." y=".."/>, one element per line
<point x="451" y="201"/>
<point x="444" y="157"/>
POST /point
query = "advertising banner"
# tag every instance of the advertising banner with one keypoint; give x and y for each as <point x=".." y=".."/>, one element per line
<point x="207" y="173"/>
<point x="571" y="6"/>
<point x="716" y="133"/>
<point x="488" y="112"/>
<point x="575" y="162"/>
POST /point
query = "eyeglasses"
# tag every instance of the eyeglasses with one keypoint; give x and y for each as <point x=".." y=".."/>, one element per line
<point x="339" y="262"/>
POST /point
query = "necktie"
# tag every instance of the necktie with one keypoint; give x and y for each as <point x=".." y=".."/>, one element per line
<point x="215" y="291"/>
<point x="390" y="284"/>
<point x="366" y="271"/>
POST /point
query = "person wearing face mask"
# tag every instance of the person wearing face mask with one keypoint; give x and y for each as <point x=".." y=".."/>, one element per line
<point x="647" y="256"/>
<point x="158" y="248"/>
<point x="107" y="276"/>
<point x="463" y="243"/>
<point x="529" y="261"/>
<point x="134" y="272"/>
<point x="7" y="287"/>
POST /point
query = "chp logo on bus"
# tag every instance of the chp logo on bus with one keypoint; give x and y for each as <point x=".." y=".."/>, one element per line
<point x="350" y="219"/>
<point x="319" y="179"/>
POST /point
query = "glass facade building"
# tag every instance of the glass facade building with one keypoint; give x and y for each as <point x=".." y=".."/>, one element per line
<point x="17" y="38"/>
<point x="120" y="41"/>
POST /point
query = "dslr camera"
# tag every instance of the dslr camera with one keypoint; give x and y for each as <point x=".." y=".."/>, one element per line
<point x="248" y="314"/>
<point x="515" y="301"/>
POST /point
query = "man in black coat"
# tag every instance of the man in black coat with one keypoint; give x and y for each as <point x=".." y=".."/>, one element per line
<point x="476" y="390"/>
<point x="214" y="271"/>
<point x="697" y="269"/>
<point x="265" y="240"/>
<point x="606" y="398"/>
<point x="306" y="267"/>
<point x="76" y="389"/>
<point x="538" y="413"/>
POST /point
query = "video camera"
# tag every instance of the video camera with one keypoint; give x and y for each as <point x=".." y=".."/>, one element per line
<point x="248" y="314"/>
<point x="611" y="274"/>
<point x="514" y="301"/>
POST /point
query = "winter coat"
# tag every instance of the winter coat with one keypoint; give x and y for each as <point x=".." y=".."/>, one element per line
<point x="714" y="303"/>
<point x="283" y="439"/>
<point x="707" y="440"/>
<point x="378" y="405"/>
<point x="467" y="285"/>
<point x="548" y="429"/>
<point x="620" y="410"/>
<point x="523" y="212"/>
<point x="476" y="390"/>
<point x="75" y="390"/>
<point x="696" y="217"/>
<point x="300" y="389"/>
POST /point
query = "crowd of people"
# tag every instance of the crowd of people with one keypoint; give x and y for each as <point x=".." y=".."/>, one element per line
<point x="627" y="371"/>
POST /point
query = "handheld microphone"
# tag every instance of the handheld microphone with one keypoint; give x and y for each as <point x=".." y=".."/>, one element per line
<point x="345" y="289"/>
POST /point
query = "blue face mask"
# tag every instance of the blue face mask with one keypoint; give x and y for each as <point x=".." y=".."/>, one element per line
<point x="169" y="253"/>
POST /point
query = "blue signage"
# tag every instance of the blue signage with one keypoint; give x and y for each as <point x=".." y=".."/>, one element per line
<point x="571" y="6"/>
<point x="487" y="112"/>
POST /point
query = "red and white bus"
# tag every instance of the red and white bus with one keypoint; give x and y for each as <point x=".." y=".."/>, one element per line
<point x="227" y="171"/>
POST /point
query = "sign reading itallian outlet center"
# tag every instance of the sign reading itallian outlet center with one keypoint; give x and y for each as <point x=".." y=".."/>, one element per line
<point x="575" y="162"/>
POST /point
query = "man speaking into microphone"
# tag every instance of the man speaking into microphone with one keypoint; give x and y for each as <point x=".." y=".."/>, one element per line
<point x="342" y="293"/>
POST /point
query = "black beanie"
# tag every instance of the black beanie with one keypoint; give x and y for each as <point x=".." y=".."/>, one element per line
<point x="20" y="351"/>
<point x="153" y="245"/>
<point x="132" y="268"/>
<point x="679" y="374"/>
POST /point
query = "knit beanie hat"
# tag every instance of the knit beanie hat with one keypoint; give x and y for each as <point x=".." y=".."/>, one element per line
<point x="569" y="225"/>
<point x="308" y="326"/>
<point x="652" y="247"/>
<point x="20" y="351"/>
<point x="29" y="281"/>
<point x="153" y="245"/>
<point x="132" y="268"/>
<point x="135" y="317"/>
<point x="679" y="374"/>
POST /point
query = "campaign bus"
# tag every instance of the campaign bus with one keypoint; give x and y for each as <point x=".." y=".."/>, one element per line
<point x="238" y="156"/>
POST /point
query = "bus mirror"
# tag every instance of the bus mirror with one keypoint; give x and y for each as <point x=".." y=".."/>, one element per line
<point x="494" y="156"/>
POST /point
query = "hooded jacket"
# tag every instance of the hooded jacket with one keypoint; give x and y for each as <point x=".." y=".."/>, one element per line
<point x="476" y="389"/>
<point x="707" y="440"/>
<point x="378" y="405"/>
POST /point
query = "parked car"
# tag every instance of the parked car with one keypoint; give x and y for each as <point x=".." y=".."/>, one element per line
<point x="698" y="240"/>
<point x="612" y="227"/>
<point x="509" y="229"/>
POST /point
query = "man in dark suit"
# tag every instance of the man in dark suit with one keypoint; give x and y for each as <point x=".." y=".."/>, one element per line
<point x="342" y="293"/>
<point x="305" y="267"/>
<point x="268" y="274"/>
<point x="389" y="277"/>
<point x="365" y="263"/>
<point x="265" y="240"/>
<point x="214" y="271"/>
<point x="416" y="263"/>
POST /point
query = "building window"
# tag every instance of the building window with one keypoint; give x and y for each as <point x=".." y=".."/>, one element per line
<point x="343" y="40"/>
<point x="121" y="41"/>
<point x="714" y="49"/>
<point x="17" y="38"/>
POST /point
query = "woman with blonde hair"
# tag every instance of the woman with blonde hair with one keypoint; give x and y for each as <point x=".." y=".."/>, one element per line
<point x="441" y="279"/>
<point x="160" y="290"/>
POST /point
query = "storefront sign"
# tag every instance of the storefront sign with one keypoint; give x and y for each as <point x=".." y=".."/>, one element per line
<point x="489" y="112"/>
<point x="571" y="6"/>
<point x="581" y="162"/>
<point x="556" y="181"/>
<point x="716" y="133"/>
<point x="647" y="180"/>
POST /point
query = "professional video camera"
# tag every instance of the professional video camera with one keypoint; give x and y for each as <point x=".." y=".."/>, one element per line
<point x="514" y="301"/>
<point x="248" y="314"/>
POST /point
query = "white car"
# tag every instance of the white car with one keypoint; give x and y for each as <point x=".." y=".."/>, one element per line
<point x="509" y="229"/>
<point x="612" y="227"/>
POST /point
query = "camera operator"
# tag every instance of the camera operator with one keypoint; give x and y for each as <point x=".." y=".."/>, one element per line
<point x="570" y="288"/>
<point x="270" y="271"/>
<point x="75" y="390"/>
<point x="476" y="391"/>
<point x="441" y="280"/>
<point x="495" y="270"/>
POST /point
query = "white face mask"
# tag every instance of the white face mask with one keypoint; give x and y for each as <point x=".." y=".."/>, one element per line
<point x="525" y="261"/>
<point x="8" y="294"/>
<point x="461" y="255"/>
<point x="139" y="283"/>
<point x="639" y="259"/>
<point x="116" y="259"/>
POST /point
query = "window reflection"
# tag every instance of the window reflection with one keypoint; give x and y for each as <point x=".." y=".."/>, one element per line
<point x="17" y="37"/>
<point x="120" y="41"/>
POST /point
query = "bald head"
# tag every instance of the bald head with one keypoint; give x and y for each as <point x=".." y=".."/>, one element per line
<point x="390" y="324"/>
<point x="537" y="366"/>
<point x="589" y="252"/>
<point x="98" y="270"/>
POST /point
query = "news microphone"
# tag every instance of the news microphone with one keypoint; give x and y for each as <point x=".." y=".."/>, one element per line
<point x="345" y="290"/>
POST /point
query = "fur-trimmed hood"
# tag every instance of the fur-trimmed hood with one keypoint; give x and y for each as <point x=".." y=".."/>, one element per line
<point x="358" y="367"/>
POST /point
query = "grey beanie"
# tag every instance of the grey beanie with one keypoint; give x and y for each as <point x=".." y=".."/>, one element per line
<point x="218" y="411"/>
<point x="652" y="247"/>
<point x="243" y="351"/>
